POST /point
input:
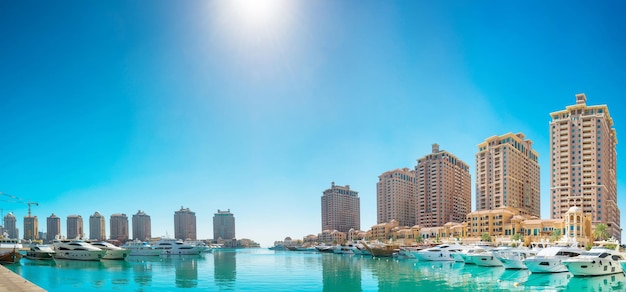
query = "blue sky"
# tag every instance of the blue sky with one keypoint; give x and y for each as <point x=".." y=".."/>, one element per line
<point x="258" y="106"/>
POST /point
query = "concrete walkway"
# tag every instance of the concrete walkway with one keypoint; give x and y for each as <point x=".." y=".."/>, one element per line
<point x="12" y="282"/>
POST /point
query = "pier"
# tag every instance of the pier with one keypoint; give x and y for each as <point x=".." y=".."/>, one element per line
<point x="13" y="282"/>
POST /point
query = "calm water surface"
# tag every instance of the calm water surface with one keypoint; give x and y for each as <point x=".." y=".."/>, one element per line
<point x="266" y="270"/>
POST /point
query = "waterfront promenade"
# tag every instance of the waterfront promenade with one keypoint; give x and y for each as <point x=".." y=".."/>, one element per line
<point x="12" y="282"/>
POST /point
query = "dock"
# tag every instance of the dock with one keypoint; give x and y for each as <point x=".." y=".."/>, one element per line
<point x="12" y="282"/>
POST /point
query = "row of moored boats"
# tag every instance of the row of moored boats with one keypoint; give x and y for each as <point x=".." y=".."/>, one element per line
<point x="597" y="261"/>
<point x="102" y="250"/>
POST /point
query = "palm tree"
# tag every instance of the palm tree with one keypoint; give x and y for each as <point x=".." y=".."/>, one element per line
<point x="485" y="237"/>
<point x="601" y="232"/>
<point x="555" y="235"/>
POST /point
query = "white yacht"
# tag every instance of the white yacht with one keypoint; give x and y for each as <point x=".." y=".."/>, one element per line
<point x="549" y="260"/>
<point x="595" y="262"/>
<point x="442" y="252"/>
<point x="141" y="248"/>
<point x="76" y="250"/>
<point x="467" y="255"/>
<point x="112" y="252"/>
<point x="487" y="258"/>
<point x="513" y="258"/>
<point x="40" y="252"/>
<point x="170" y="246"/>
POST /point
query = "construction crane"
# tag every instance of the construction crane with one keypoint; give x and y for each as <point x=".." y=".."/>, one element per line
<point x="14" y="199"/>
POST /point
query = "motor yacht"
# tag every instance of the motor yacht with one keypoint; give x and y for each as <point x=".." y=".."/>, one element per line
<point x="40" y="252"/>
<point x="513" y="258"/>
<point x="467" y="255"/>
<point x="342" y="249"/>
<point x="112" y="252"/>
<point x="549" y="260"/>
<point x="76" y="250"/>
<point x="487" y="258"/>
<point x="141" y="248"/>
<point x="359" y="249"/>
<point x="595" y="262"/>
<point x="170" y="246"/>
<point x="442" y="252"/>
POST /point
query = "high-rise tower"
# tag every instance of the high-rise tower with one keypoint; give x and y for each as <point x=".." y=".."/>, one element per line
<point x="507" y="174"/>
<point x="223" y="225"/>
<point x="53" y="227"/>
<point x="142" y="226"/>
<point x="185" y="224"/>
<point x="10" y="225"/>
<point x="395" y="197"/>
<point x="119" y="227"/>
<point x="341" y="209"/>
<point x="443" y="189"/>
<point x="75" y="227"/>
<point x="583" y="163"/>
<point x="97" y="228"/>
<point x="31" y="227"/>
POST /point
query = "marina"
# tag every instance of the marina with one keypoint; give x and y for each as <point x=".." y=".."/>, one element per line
<point x="269" y="270"/>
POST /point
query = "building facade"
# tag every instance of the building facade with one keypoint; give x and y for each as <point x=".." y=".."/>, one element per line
<point x="53" y="227"/>
<point x="185" y="224"/>
<point x="507" y="174"/>
<point x="31" y="228"/>
<point x="583" y="163"/>
<point x="142" y="226"/>
<point x="223" y="225"/>
<point x="75" y="227"/>
<point x="10" y="225"/>
<point x="97" y="228"/>
<point x="395" y="197"/>
<point x="443" y="191"/>
<point x="341" y="209"/>
<point x="119" y="227"/>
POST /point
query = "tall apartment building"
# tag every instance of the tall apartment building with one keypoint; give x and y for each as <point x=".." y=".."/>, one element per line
<point x="443" y="189"/>
<point x="75" y="227"/>
<point x="97" y="227"/>
<point x="507" y="174"/>
<point x="583" y="163"/>
<point x="142" y="226"/>
<point x="31" y="227"/>
<point x="395" y="197"/>
<point x="10" y="225"/>
<point x="341" y="209"/>
<point x="185" y="224"/>
<point x="53" y="227"/>
<point x="119" y="227"/>
<point x="223" y="225"/>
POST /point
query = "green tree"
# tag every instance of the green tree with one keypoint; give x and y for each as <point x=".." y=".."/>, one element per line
<point x="601" y="232"/>
<point x="555" y="235"/>
<point x="419" y="239"/>
<point x="485" y="237"/>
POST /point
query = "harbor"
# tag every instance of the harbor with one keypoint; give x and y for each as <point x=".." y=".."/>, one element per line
<point x="268" y="270"/>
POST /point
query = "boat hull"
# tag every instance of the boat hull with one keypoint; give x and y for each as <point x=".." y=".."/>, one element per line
<point x="10" y="257"/>
<point x="545" y="265"/>
<point x="593" y="268"/>
<point x="80" y="255"/>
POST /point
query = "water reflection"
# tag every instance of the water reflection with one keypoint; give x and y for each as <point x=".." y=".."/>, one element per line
<point x="341" y="273"/>
<point x="613" y="282"/>
<point x="554" y="280"/>
<point x="143" y="267"/>
<point x="225" y="269"/>
<point x="186" y="269"/>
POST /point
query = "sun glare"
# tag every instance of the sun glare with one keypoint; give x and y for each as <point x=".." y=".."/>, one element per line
<point x="259" y="14"/>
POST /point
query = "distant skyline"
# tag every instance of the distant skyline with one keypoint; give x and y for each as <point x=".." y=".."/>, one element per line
<point x="257" y="106"/>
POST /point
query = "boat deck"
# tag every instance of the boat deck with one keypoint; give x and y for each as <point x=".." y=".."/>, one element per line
<point x="14" y="282"/>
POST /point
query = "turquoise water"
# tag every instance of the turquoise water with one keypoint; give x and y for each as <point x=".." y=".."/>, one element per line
<point x="266" y="270"/>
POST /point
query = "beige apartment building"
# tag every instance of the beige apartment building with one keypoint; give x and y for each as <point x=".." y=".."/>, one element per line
<point x="395" y="197"/>
<point x="507" y="174"/>
<point x="341" y="209"/>
<point x="53" y="227"/>
<point x="185" y="224"/>
<point x="583" y="163"/>
<point x="119" y="227"/>
<point x="31" y="227"/>
<point x="443" y="189"/>
<point x="97" y="227"/>
<point x="74" y="227"/>
<point x="142" y="226"/>
<point x="504" y="222"/>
